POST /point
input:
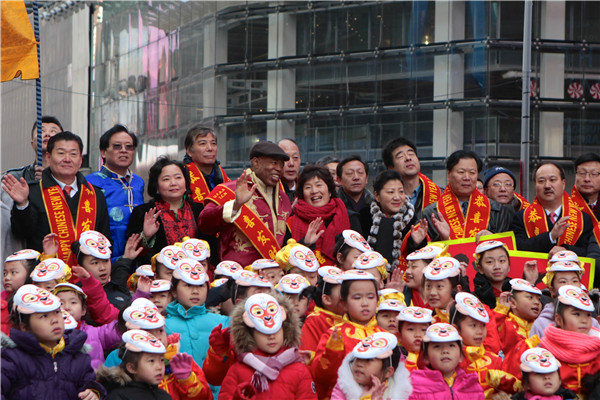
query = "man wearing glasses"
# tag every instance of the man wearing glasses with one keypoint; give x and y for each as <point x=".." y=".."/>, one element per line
<point x="499" y="185"/>
<point x="587" y="185"/>
<point x="123" y="189"/>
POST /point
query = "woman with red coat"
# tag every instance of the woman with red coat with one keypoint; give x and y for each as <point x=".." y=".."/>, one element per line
<point x="319" y="215"/>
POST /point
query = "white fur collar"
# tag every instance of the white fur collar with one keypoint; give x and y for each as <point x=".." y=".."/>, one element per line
<point x="399" y="386"/>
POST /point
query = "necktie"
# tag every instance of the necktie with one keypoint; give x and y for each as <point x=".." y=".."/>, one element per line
<point x="553" y="217"/>
<point x="464" y="206"/>
<point x="67" y="190"/>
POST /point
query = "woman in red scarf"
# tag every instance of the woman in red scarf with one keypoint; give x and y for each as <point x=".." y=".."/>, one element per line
<point x="319" y="215"/>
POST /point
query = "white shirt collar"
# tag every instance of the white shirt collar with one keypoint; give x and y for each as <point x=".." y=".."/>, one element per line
<point x="62" y="185"/>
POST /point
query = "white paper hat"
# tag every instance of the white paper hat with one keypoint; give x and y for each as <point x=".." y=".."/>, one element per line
<point x="331" y="274"/>
<point x="576" y="297"/>
<point x="469" y="305"/>
<point x="488" y="245"/>
<point x="25" y="254"/>
<point x="522" y="285"/>
<point x="357" y="275"/>
<point x="170" y="255"/>
<point x="263" y="313"/>
<point x="441" y="332"/>
<point x="565" y="255"/>
<point x="49" y="269"/>
<point x="391" y="305"/>
<point x="143" y="314"/>
<point x="218" y="282"/>
<point x="386" y="291"/>
<point x="442" y="268"/>
<point x="264" y="263"/>
<point x="368" y="260"/>
<point x="417" y="315"/>
<point x="378" y="345"/>
<point x="29" y="299"/>
<point x="190" y="271"/>
<point x="138" y="341"/>
<point x="196" y="249"/>
<point x="95" y="244"/>
<point x="355" y="240"/>
<point x="559" y="266"/>
<point x="303" y="258"/>
<point x="539" y="360"/>
<point x="66" y="286"/>
<point x="160" y="285"/>
<point x="144" y="270"/>
<point x="228" y="268"/>
<point x="292" y="284"/>
<point x="428" y="252"/>
<point x="69" y="321"/>
<point x="249" y="278"/>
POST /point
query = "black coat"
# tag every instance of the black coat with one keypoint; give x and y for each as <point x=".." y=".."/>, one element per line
<point x="32" y="223"/>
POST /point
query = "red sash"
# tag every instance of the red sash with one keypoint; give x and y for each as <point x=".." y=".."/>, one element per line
<point x="198" y="184"/>
<point x="478" y="214"/>
<point x="431" y="192"/>
<point x="249" y="223"/>
<point x="61" y="220"/>
<point x="534" y="219"/>
<point x="523" y="200"/>
<point x="584" y="207"/>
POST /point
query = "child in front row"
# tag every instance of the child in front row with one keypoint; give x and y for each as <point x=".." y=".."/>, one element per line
<point x="573" y="341"/>
<point x="266" y="335"/>
<point x="373" y="369"/>
<point x="412" y="325"/>
<point x="15" y="274"/>
<point x="442" y="378"/>
<point x="40" y="360"/>
<point x="541" y="378"/>
<point x="140" y="372"/>
<point x="470" y="318"/>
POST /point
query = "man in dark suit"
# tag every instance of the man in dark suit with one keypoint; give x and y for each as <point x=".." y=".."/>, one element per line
<point x="553" y="222"/>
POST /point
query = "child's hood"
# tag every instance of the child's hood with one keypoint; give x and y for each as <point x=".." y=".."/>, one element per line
<point x="26" y="341"/>
<point x="112" y="377"/>
<point x="399" y="385"/>
<point x="242" y="334"/>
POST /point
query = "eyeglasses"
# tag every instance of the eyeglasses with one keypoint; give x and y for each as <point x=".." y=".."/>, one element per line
<point x="583" y="174"/>
<point x="119" y="146"/>
<point x="508" y="185"/>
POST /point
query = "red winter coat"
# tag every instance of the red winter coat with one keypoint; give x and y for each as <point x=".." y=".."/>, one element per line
<point x="294" y="382"/>
<point x="317" y="323"/>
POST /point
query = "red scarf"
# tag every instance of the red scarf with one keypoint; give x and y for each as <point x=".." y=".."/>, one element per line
<point x="304" y="214"/>
<point x="570" y="347"/>
<point x="177" y="225"/>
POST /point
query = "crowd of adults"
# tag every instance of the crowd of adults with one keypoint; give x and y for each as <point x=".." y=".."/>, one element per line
<point x="273" y="200"/>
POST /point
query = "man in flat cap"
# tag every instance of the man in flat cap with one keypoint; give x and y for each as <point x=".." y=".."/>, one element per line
<point x="250" y="213"/>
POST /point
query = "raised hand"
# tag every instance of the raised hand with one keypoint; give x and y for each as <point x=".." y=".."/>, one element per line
<point x="530" y="271"/>
<point x="242" y="192"/>
<point x="419" y="232"/>
<point x="132" y="246"/>
<point x="17" y="189"/>
<point x="79" y="272"/>
<point x="312" y="233"/>
<point x="144" y="283"/>
<point x="376" y="389"/>
<point x="50" y="244"/>
<point x="441" y="226"/>
<point x="395" y="281"/>
<point x="151" y="223"/>
<point x="559" y="227"/>
<point x="181" y="365"/>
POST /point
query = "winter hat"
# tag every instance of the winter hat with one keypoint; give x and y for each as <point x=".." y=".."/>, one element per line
<point x="493" y="171"/>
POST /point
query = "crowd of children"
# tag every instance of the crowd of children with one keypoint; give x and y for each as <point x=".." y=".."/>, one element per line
<point x="180" y="328"/>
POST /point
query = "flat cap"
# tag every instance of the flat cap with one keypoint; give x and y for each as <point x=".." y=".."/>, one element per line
<point x="265" y="148"/>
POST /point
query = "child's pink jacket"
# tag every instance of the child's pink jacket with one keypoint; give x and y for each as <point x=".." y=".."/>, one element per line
<point x="429" y="384"/>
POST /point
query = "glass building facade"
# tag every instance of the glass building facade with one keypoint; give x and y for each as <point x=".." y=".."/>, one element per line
<point x="344" y="77"/>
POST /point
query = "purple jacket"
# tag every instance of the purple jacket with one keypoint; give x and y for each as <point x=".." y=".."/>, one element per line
<point x="29" y="372"/>
<point x="429" y="384"/>
<point x="101" y="338"/>
<point x="546" y="318"/>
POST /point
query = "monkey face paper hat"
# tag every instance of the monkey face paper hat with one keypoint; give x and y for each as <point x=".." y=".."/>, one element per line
<point x="170" y="255"/>
<point x="332" y="275"/>
<point x="292" y="284"/>
<point x="356" y="240"/>
<point x="138" y="341"/>
<point x="160" y="285"/>
<point x="565" y="255"/>
<point x="29" y="299"/>
<point x="371" y="259"/>
<point x="417" y="315"/>
<point x="429" y="252"/>
<point x="25" y="254"/>
<point x="49" y="269"/>
<point x="264" y="263"/>
<point x="378" y="345"/>
<point x="69" y="321"/>
<point x="228" y="268"/>
<point x="95" y="244"/>
<point x="263" y="313"/>
<point x="521" y="285"/>
<point x="190" y="271"/>
<point x="196" y="249"/>
<point x="539" y="360"/>
<point x="249" y="278"/>
<point x="144" y="270"/>
<point x="469" y="305"/>
<point x="576" y="297"/>
<point x="441" y="332"/>
<point x="442" y="268"/>
<point x="303" y="258"/>
<point x="143" y="314"/>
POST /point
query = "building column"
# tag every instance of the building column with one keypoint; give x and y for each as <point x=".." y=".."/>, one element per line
<point x="448" y="82"/>
<point x="281" y="83"/>
<point x="552" y="78"/>
<point x="214" y="88"/>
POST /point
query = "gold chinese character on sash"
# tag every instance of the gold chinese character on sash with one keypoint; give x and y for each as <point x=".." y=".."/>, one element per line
<point x="249" y="222"/>
<point x="193" y="178"/>
<point x="473" y="232"/>
<point x="262" y="238"/>
<point x="476" y="218"/>
<point x="479" y="202"/>
<point x="533" y="216"/>
<point x="86" y="224"/>
<point x="87" y="207"/>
